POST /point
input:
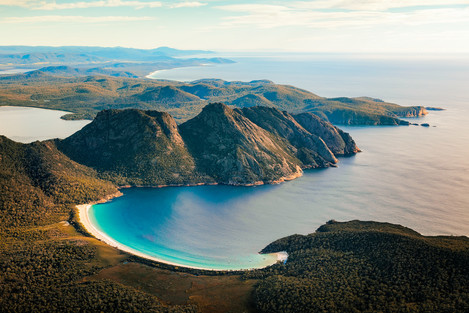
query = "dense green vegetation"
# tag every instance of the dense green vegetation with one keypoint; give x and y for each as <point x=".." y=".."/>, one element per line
<point x="39" y="183"/>
<point x="366" y="267"/>
<point x="87" y="95"/>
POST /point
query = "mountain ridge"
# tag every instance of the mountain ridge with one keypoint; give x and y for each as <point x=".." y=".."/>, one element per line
<point x="220" y="145"/>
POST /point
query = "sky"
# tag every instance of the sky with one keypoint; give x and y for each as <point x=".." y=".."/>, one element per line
<point x="358" y="26"/>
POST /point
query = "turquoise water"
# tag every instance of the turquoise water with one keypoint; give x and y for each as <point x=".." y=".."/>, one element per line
<point x="414" y="176"/>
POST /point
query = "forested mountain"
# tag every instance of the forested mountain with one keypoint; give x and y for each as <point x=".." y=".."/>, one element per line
<point x="220" y="145"/>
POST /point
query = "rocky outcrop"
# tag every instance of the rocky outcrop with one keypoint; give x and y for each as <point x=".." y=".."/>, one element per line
<point x="415" y="111"/>
<point x="338" y="141"/>
<point x="308" y="147"/>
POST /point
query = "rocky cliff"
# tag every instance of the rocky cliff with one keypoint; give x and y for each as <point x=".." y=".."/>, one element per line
<point x="307" y="146"/>
<point x="338" y="141"/>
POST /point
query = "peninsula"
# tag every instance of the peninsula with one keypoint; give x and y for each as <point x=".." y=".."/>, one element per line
<point x="88" y="94"/>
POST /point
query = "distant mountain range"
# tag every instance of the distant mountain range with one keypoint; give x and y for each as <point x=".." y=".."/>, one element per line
<point x="113" y="61"/>
<point x="79" y="54"/>
<point x="86" y="95"/>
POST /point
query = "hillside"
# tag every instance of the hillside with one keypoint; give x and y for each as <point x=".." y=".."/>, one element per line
<point x="87" y="95"/>
<point x="43" y="259"/>
<point x="36" y="179"/>
<point x="220" y="145"/>
<point x="366" y="267"/>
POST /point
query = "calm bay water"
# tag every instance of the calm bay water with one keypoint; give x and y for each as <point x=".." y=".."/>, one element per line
<point x="414" y="176"/>
<point x="26" y="125"/>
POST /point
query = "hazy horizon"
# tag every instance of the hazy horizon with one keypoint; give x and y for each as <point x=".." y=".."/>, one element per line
<point x="336" y="26"/>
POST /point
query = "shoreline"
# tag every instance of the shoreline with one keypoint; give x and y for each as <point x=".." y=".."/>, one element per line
<point x="85" y="221"/>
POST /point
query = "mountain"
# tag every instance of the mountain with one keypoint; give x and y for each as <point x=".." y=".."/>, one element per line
<point x="87" y="95"/>
<point x="80" y="54"/>
<point x="338" y="141"/>
<point x="220" y="145"/>
<point x="67" y="71"/>
<point x="234" y="150"/>
<point x="110" y="61"/>
<point x="164" y="95"/>
<point x="309" y="148"/>
<point x="133" y="147"/>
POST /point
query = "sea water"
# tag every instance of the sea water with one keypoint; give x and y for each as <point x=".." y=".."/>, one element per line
<point x="413" y="175"/>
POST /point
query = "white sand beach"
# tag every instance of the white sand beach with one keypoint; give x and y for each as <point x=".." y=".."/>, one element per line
<point x="90" y="228"/>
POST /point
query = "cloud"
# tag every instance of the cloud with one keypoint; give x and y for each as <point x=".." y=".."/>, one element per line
<point x="16" y="3"/>
<point x="73" y="19"/>
<point x="187" y="4"/>
<point x="271" y="16"/>
<point x="53" y="5"/>
<point x="374" y="5"/>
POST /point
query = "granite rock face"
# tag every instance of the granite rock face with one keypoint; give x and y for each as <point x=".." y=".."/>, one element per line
<point x="308" y="147"/>
<point x="338" y="141"/>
